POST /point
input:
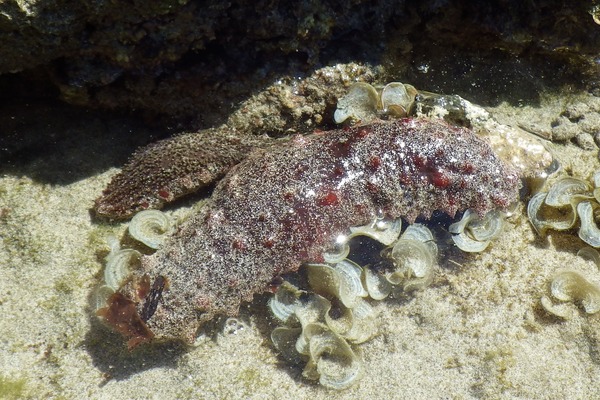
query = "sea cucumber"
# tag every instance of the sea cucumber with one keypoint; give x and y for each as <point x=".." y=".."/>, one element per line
<point x="285" y="205"/>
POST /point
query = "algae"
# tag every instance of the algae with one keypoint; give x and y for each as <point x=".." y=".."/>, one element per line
<point x="12" y="388"/>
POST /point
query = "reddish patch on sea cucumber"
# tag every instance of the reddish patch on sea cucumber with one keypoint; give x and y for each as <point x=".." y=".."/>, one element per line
<point x="238" y="244"/>
<point x="467" y="168"/>
<point x="419" y="162"/>
<point x="363" y="132"/>
<point x="440" y="179"/>
<point x="288" y="196"/>
<point x="143" y="287"/>
<point x="164" y="194"/>
<point x="329" y="199"/>
<point x="374" y="163"/>
<point x="338" y="171"/>
<point x="372" y="188"/>
<point x="405" y="178"/>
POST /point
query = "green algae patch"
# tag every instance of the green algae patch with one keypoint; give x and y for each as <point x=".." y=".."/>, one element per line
<point x="252" y="379"/>
<point x="12" y="388"/>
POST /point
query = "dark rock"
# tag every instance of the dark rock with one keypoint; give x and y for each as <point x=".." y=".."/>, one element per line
<point x="179" y="57"/>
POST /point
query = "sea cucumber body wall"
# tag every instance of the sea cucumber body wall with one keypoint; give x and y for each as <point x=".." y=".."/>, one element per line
<point x="286" y="205"/>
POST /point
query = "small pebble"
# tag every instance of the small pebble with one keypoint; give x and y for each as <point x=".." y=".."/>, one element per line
<point x="585" y="141"/>
<point x="563" y="129"/>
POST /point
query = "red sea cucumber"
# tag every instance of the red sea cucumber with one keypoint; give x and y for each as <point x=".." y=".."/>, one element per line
<point x="286" y="205"/>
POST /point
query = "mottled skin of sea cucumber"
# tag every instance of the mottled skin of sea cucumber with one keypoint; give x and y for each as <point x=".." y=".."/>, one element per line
<point x="166" y="170"/>
<point x="285" y="205"/>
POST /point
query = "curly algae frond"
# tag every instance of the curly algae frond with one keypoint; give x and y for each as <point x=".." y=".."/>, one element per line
<point x="473" y="234"/>
<point x="151" y="227"/>
<point x="571" y="286"/>
<point x="364" y="102"/>
<point x="324" y="323"/>
<point x="569" y="201"/>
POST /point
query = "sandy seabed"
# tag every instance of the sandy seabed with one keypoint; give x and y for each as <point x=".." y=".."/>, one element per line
<point x="478" y="331"/>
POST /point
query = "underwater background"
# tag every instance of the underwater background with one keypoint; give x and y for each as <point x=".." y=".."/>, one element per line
<point x="83" y="85"/>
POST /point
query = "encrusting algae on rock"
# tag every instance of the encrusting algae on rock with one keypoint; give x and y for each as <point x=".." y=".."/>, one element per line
<point x="286" y="205"/>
